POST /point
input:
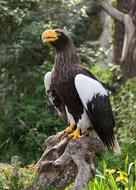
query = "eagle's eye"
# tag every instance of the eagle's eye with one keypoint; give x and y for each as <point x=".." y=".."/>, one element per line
<point x="59" y="33"/>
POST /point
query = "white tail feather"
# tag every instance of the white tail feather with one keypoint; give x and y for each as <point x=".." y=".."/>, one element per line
<point x="116" y="147"/>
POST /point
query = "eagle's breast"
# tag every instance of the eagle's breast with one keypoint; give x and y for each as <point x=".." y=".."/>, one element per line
<point x="64" y="85"/>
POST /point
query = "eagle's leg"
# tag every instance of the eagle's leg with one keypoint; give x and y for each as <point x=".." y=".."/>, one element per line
<point x="76" y="133"/>
<point x="68" y="130"/>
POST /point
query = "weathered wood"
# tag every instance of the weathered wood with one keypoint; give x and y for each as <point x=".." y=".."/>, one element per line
<point x="113" y="12"/>
<point x="65" y="161"/>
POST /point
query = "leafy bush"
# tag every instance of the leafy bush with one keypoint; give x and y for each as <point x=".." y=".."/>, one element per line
<point x="125" y="111"/>
<point x="92" y="55"/>
<point x="26" y="116"/>
<point x="17" y="178"/>
<point x="124" y="107"/>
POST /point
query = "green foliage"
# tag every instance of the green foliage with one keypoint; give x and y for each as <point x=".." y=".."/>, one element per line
<point x="114" y="179"/>
<point x="91" y="55"/>
<point x="17" y="178"/>
<point x="110" y="74"/>
<point x="103" y="73"/>
<point x="26" y="116"/>
<point x="124" y="107"/>
<point x="125" y="111"/>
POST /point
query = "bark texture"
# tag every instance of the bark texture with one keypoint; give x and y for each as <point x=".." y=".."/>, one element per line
<point x="123" y="6"/>
<point x="65" y="161"/>
<point x="129" y="66"/>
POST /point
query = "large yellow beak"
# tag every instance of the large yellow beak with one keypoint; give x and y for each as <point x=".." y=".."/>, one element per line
<point x="49" y="36"/>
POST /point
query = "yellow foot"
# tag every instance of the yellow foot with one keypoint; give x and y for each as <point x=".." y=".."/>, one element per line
<point x="76" y="133"/>
<point x="68" y="130"/>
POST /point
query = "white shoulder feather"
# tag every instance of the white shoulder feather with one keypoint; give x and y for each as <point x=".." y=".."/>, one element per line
<point x="47" y="80"/>
<point x="88" y="88"/>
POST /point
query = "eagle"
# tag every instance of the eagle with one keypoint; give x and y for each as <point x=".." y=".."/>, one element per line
<point x="79" y="98"/>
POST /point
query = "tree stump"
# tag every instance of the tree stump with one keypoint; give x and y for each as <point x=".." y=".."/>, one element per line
<point x="67" y="160"/>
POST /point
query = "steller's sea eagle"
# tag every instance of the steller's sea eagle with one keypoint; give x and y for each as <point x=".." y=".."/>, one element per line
<point x="80" y="99"/>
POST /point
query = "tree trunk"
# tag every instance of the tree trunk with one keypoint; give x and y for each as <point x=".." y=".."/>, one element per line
<point x="129" y="66"/>
<point x="125" y="52"/>
<point x="119" y="32"/>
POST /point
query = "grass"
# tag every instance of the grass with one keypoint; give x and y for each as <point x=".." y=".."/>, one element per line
<point x="114" y="179"/>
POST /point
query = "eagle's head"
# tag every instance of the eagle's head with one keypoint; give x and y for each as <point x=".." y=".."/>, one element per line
<point x="57" y="38"/>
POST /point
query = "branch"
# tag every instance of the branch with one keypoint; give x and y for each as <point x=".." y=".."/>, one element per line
<point x="126" y="19"/>
<point x="65" y="161"/>
<point x="113" y="12"/>
<point x="129" y="33"/>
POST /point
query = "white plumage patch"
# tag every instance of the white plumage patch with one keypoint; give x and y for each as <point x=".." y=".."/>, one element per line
<point x="47" y="80"/>
<point x="71" y="120"/>
<point x="47" y="84"/>
<point x="88" y="88"/>
<point x="84" y="122"/>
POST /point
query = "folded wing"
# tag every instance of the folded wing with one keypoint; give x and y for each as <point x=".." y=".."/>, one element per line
<point x="96" y="102"/>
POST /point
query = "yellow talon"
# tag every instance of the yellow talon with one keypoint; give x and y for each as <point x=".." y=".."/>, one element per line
<point x="76" y="133"/>
<point x="68" y="130"/>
